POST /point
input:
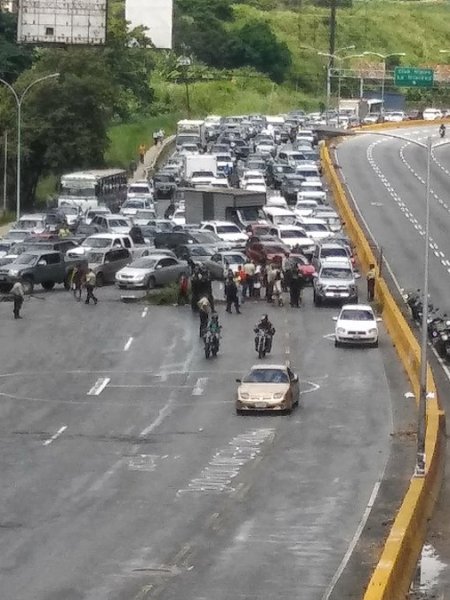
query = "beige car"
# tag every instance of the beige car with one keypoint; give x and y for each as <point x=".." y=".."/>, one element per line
<point x="106" y="264"/>
<point x="268" y="388"/>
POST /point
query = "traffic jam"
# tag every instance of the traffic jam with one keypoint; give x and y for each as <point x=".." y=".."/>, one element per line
<point x="239" y="212"/>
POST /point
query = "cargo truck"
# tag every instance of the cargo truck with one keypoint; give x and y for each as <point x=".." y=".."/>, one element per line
<point x="191" y="131"/>
<point x="214" y="204"/>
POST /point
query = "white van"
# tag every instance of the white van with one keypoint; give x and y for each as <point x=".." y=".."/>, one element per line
<point x="278" y="215"/>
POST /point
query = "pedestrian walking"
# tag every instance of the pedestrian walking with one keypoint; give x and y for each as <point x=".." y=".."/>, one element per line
<point x="371" y="275"/>
<point x="142" y="151"/>
<point x="76" y="281"/>
<point x="271" y="273"/>
<point x="183" y="291"/>
<point x="89" y="282"/>
<point x="18" y="294"/>
<point x="297" y="283"/>
<point x="250" y="272"/>
<point x="231" y="295"/>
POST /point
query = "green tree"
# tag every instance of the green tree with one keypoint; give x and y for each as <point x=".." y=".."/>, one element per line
<point x="257" y="46"/>
<point x="13" y="58"/>
<point x="64" y="121"/>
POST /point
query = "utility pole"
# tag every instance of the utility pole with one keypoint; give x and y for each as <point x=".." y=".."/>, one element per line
<point x="5" y="168"/>
<point x="333" y="7"/>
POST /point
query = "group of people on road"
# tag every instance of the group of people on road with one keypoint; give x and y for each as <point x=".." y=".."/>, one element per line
<point x="83" y="278"/>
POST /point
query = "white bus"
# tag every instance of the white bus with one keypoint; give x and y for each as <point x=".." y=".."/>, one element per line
<point x="88" y="189"/>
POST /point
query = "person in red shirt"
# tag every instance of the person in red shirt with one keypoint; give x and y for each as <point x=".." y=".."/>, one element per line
<point x="183" y="291"/>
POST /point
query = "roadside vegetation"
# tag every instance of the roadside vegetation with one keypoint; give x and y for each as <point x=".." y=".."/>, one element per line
<point x="247" y="57"/>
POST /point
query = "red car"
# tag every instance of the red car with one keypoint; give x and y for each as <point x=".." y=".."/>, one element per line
<point x="304" y="267"/>
<point x="266" y="252"/>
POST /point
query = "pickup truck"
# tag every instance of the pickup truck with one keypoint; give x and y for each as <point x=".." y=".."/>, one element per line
<point x="38" y="267"/>
<point x="102" y="242"/>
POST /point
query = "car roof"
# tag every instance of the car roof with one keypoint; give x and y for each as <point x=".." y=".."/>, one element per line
<point x="39" y="252"/>
<point x="325" y="244"/>
<point x="341" y="264"/>
<point x="260" y="366"/>
<point x="357" y="307"/>
<point x="218" y="223"/>
<point x="286" y="227"/>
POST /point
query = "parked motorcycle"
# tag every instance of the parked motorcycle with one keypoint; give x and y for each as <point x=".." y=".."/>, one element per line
<point x="212" y="344"/>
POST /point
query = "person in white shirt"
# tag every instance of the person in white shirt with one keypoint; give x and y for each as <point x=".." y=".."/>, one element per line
<point x="18" y="294"/>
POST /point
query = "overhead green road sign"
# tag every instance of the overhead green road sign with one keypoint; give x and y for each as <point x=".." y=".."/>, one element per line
<point x="413" y="77"/>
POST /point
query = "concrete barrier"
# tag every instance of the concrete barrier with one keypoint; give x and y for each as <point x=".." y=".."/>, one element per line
<point x="166" y="148"/>
<point x="394" y="572"/>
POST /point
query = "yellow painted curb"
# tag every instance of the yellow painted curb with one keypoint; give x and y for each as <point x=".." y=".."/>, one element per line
<point x="394" y="572"/>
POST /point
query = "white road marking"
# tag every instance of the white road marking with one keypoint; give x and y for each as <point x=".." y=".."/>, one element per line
<point x="55" y="436"/>
<point x="199" y="387"/>
<point x="99" y="386"/>
<point x="144" y="312"/>
<point x="128" y="344"/>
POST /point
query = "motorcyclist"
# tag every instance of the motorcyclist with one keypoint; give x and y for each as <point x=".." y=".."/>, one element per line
<point x="442" y="130"/>
<point x="214" y="326"/>
<point x="204" y="308"/>
<point x="266" y="326"/>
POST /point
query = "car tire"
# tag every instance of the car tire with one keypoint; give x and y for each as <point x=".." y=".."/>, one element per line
<point x="337" y="344"/>
<point x="100" y="280"/>
<point x="238" y="411"/>
<point x="48" y="285"/>
<point x="151" y="283"/>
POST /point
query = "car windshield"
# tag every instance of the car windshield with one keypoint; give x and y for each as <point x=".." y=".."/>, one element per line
<point x="134" y="204"/>
<point x="201" y="251"/>
<point x="224" y="158"/>
<point x="326" y="252"/>
<point x="96" y="257"/>
<point x="143" y="263"/>
<point x="96" y="243"/>
<point x="202" y="174"/>
<point x="284" y="219"/>
<point x="356" y="315"/>
<point x="294" y="182"/>
<point x="138" y="189"/>
<point x="206" y="237"/>
<point x="145" y="214"/>
<point x="228" y="229"/>
<point x="292" y="233"/>
<point x="236" y="259"/>
<point x="261" y="230"/>
<point x="117" y="223"/>
<point x="30" y="224"/>
<point x="163" y="179"/>
<point x="26" y="259"/>
<point x="266" y="376"/>
<point x="315" y="227"/>
<point x="333" y="273"/>
<point x="68" y="210"/>
<point x="310" y="155"/>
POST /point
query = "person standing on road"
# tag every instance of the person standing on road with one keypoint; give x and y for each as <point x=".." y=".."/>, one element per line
<point x="231" y="295"/>
<point x="250" y="271"/>
<point x="90" y="282"/>
<point x="76" y="281"/>
<point x="371" y="275"/>
<point x="204" y="308"/>
<point x="18" y="294"/>
<point x="142" y="150"/>
<point x="183" y="290"/>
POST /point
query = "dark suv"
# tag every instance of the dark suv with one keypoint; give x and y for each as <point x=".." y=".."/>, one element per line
<point x="173" y="239"/>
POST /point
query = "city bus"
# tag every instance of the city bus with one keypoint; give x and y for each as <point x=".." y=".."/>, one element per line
<point x="88" y="189"/>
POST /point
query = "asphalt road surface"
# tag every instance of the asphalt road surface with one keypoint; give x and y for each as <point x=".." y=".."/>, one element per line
<point x="127" y="475"/>
<point x="387" y="180"/>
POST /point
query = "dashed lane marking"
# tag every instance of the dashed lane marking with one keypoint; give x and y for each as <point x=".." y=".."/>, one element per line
<point x="128" y="344"/>
<point x="199" y="387"/>
<point x="99" y="386"/>
<point x="55" y="436"/>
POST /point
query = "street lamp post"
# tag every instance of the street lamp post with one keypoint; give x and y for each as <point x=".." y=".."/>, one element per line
<point x="341" y="60"/>
<point x="423" y="395"/>
<point x="19" y="100"/>
<point x="384" y="57"/>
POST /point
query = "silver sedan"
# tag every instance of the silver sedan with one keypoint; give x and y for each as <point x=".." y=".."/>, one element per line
<point x="151" y="271"/>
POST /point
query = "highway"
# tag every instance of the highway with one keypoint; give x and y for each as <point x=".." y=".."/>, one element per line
<point x="127" y="475"/>
<point x="386" y="178"/>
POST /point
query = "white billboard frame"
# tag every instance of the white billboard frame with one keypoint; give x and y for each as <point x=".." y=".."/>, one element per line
<point x="157" y="18"/>
<point x="62" y="22"/>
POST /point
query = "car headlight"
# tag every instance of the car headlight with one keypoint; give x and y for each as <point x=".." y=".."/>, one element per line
<point x="444" y="337"/>
<point x="340" y="330"/>
<point x="244" y="396"/>
<point x="278" y="395"/>
<point x="373" y="331"/>
<point x="13" y="272"/>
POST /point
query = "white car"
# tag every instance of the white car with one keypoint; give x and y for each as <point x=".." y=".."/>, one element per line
<point x="305" y="208"/>
<point x="312" y="190"/>
<point x="131" y="206"/>
<point x="140" y="189"/>
<point x="142" y="217"/>
<point x="292" y="235"/>
<point x="317" y="229"/>
<point x="431" y="114"/>
<point x="226" y="230"/>
<point x="309" y="172"/>
<point x="179" y="217"/>
<point x="356" y="324"/>
<point x="394" y="116"/>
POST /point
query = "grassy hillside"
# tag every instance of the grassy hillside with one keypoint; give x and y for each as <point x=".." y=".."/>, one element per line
<point x="420" y="29"/>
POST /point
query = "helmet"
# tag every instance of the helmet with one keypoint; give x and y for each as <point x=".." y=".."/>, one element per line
<point x="265" y="318"/>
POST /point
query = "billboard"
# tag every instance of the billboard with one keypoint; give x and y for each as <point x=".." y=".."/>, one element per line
<point x="72" y="22"/>
<point x="156" y="16"/>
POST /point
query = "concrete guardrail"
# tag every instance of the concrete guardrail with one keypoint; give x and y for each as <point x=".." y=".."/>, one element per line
<point x="394" y="572"/>
<point x="166" y="148"/>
